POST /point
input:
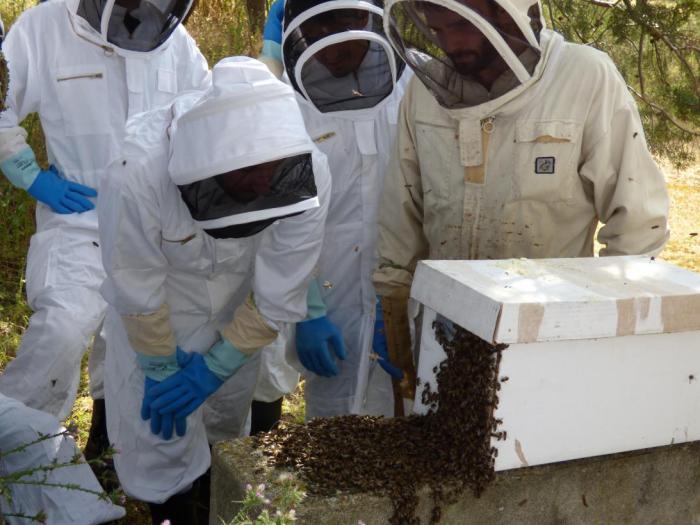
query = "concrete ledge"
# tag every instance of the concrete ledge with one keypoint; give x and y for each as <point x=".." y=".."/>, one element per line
<point x="654" y="486"/>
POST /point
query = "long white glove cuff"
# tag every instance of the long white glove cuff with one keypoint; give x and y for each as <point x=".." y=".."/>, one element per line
<point x="314" y="301"/>
<point x="158" y="367"/>
<point x="21" y="169"/>
<point x="271" y="49"/>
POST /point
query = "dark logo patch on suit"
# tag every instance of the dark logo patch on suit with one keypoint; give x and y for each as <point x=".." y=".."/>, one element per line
<point x="545" y="165"/>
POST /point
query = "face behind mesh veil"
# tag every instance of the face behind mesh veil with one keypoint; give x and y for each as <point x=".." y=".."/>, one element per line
<point x="245" y="201"/>
<point x="240" y="155"/>
<point x="135" y="25"/>
<point x="336" y="55"/>
<point x="467" y="52"/>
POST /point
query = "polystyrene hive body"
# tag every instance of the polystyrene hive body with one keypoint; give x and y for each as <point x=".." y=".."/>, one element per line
<point x="603" y="355"/>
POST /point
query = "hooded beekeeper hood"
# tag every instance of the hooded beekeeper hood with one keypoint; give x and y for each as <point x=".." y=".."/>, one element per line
<point x="336" y="54"/>
<point x="468" y="52"/>
<point x="241" y="156"/>
<point x="138" y="26"/>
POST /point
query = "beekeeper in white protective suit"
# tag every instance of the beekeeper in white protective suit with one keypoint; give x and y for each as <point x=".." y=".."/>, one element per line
<point x="511" y="143"/>
<point x="349" y="83"/>
<point x="35" y="451"/>
<point x="210" y="231"/>
<point x="73" y="63"/>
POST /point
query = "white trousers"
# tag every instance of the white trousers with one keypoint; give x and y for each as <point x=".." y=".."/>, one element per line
<point x="64" y="274"/>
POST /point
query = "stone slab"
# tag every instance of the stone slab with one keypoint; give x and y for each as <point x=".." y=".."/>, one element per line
<point x="653" y="486"/>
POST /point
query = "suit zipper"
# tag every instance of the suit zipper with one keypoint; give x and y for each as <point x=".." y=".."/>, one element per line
<point x="75" y="77"/>
<point x="181" y="241"/>
<point x="487" y="127"/>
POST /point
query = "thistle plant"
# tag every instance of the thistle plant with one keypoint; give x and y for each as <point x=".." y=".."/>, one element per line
<point x="39" y="476"/>
<point x="261" y="508"/>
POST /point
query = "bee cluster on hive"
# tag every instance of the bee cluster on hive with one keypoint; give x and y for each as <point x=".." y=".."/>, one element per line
<point x="448" y="449"/>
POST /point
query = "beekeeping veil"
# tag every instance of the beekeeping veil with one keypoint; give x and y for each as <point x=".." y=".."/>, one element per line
<point x="134" y="25"/>
<point x="241" y="156"/>
<point x="336" y="54"/>
<point x="467" y="52"/>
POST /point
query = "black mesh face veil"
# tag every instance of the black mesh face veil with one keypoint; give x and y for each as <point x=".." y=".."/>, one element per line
<point x="466" y="52"/>
<point x="245" y="201"/>
<point x="136" y="25"/>
<point x="91" y="10"/>
<point x="336" y="54"/>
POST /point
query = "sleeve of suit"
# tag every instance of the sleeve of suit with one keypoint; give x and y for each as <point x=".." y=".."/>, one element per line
<point x="629" y="190"/>
<point x="402" y="242"/>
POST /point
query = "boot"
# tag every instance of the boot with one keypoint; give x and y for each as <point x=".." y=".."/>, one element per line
<point x="264" y="416"/>
<point x="203" y="485"/>
<point x="187" y="508"/>
<point x="97" y="446"/>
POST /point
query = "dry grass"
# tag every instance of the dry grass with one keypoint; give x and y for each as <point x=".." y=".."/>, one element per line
<point x="683" y="248"/>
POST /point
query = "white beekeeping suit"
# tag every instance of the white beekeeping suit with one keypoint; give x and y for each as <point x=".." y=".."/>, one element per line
<point x="26" y="446"/>
<point x="187" y="268"/>
<point x="511" y="143"/>
<point x="349" y="84"/>
<point x="64" y="66"/>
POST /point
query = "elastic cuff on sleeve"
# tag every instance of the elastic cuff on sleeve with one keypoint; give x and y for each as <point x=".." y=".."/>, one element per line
<point x="151" y="334"/>
<point x="248" y="331"/>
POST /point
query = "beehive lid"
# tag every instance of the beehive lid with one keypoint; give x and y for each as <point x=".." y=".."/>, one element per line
<point x="528" y="300"/>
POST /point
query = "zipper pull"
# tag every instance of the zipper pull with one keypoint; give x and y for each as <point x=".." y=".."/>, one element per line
<point x="487" y="125"/>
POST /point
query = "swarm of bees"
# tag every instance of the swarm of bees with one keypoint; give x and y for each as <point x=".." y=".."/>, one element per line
<point x="449" y="449"/>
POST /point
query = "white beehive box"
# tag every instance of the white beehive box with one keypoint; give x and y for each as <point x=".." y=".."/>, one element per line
<point x="604" y="353"/>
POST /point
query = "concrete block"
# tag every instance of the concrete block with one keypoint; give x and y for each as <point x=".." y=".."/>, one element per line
<point x="653" y="486"/>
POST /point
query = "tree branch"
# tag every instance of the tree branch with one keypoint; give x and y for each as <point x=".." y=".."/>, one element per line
<point x="603" y="3"/>
<point x="69" y="486"/>
<point x="663" y="112"/>
<point x="640" y="56"/>
<point x="656" y="33"/>
<point x="22" y="448"/>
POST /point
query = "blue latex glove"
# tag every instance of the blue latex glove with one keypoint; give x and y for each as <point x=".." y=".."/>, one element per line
<point x="200" y="376"/>
<point x="272" y="32"/>
<point x="61" y="195"/>
<point x="159" y="422"/>
<point x="168" y="399"/>
<point x="379" y="346"/>
<point x="156" y="369"/>
<point x="316" y="335"/>
<point x="314" y="339"/>
<point x="273" y="25"/>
